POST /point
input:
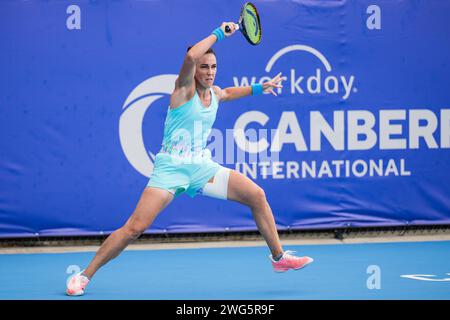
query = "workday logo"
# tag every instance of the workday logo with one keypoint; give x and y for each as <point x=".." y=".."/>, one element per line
<point x="318" y="83"/>
<point x="131" y="120"/>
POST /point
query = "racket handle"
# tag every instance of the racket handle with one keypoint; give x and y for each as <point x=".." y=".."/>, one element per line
<point x="228" y="30"/>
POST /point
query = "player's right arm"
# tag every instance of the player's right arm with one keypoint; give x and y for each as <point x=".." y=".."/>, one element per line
<point x="185" y="83"/>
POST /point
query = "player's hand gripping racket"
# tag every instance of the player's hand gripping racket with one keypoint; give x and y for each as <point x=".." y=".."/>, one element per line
<point x="249" y="24"/>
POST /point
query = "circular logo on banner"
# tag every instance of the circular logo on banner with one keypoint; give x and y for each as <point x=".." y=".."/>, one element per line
<point x="131" y="120"/>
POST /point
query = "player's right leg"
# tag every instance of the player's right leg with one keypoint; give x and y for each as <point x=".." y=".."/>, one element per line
<point x="152" y="202"/>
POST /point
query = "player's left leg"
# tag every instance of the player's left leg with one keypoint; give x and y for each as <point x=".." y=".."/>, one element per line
<point x="247" y="192"/>
<point x="232" y="185"/>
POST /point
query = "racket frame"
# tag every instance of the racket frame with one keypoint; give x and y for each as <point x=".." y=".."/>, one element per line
<point x="242" y="26"/>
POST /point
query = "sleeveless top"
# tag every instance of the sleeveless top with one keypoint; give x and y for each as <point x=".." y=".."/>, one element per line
<point x="187" y="127"/>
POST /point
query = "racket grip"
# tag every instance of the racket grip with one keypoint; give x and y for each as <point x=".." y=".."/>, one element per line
<point x="228" y="30"/>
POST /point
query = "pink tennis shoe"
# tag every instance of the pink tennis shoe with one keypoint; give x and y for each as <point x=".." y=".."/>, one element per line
<point x="76" y="285"/>
<point x="289" y="261"/>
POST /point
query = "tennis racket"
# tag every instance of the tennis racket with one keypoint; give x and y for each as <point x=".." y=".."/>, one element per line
<point x="249" y="24"/>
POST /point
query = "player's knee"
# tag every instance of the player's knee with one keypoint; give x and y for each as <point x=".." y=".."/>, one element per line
<point x="133" y="231"/>
<point x="258" y="197"/>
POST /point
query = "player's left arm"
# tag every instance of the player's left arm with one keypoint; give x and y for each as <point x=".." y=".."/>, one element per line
<point x="233" y="93"/>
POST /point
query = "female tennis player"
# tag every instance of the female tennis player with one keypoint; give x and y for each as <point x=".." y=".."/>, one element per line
<point x="194" y="103"/>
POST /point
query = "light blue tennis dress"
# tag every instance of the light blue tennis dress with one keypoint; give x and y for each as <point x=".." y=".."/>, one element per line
<point x="184" y="163"/>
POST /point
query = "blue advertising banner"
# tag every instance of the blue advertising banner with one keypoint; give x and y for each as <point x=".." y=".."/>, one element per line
<point x="358" y="136"/>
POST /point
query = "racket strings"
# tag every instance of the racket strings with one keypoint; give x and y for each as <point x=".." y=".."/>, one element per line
<point x="251" y="23"/>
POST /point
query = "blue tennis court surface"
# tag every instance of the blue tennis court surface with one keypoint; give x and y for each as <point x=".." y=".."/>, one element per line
<point x="341" y="271"/>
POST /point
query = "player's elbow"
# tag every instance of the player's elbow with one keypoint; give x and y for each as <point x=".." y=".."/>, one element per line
<point x="190" y="58"/>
